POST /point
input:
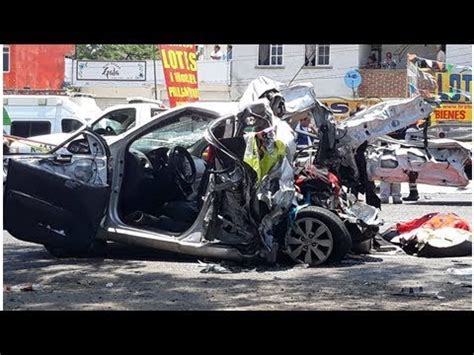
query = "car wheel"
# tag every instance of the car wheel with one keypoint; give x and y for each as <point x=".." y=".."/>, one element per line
<point x="317" y="236"/>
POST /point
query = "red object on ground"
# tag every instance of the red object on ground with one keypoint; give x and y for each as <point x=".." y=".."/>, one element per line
<point x="434" y="220"/>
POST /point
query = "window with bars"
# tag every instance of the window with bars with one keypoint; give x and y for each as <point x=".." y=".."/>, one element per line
<point x="316" y="55"/>
<point x="270" y="54"/>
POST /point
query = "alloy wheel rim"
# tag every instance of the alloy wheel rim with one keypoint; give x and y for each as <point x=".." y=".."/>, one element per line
<point x="309" y="241"/>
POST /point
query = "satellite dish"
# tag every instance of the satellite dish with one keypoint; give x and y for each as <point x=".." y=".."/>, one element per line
<point x="352" y="79"/>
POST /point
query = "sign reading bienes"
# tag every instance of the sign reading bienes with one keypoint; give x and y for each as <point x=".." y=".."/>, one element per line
<point x="111" y="70"/>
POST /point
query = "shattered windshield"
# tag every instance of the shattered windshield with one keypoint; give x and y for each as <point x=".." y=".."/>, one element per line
<point x="185" y="132"/>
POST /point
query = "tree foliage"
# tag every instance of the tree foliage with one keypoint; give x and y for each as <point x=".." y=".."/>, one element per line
<point x="117" y="51"/>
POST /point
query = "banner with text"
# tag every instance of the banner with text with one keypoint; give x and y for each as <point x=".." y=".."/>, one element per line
<point x="461" y="113"/>
<point x="180" y="70"/>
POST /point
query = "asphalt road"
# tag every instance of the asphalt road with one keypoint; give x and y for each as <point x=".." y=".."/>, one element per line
<point x="132" y="279"/>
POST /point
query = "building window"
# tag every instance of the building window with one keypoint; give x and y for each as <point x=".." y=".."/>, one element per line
<point x="316" y="55"/>
<point x="270" y="54"/>
<point x="6" y="59"/>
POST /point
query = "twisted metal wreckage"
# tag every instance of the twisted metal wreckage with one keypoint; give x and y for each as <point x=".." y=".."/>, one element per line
<point x="345" y="155"/>
<point x="258" y="196"/>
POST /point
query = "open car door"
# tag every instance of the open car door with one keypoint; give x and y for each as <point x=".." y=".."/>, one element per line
<point x="58" y="199"/>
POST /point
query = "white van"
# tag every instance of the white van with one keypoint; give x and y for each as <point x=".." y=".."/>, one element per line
<point x="33" y="115"/>
<point x="110" y="122"/>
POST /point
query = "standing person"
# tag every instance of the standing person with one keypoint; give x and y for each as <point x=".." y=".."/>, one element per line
<point x="441" y="58"/>
<point x="440" y="55"/>
<point x="229" y="52"/>
<point x="304" y="126"/>
<point x="388" y="189"/>
<point x="217" y="54"/>
<point x="389" y="62"/>
<point x="199" y="51"/>
<point x="411" y="134"/>
<point x="371" y="62"/>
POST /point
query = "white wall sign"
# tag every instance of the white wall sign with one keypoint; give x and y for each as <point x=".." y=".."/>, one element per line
<point x="111" y="71"/>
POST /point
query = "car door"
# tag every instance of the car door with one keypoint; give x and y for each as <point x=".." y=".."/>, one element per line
<point x="59" y="198"/>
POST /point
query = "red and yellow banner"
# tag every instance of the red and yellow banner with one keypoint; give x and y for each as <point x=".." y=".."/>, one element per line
<point x="180" y="70"/>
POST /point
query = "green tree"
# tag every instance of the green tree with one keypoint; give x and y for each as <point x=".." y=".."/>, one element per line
<point x="117" y="51"/>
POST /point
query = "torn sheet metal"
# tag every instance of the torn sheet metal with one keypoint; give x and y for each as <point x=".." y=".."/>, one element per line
<point x="299" y="98"/>
<point x="262" y="187"/>
<point x="257" y="89"/>
<point x="361" y="212"/>
<point x="444" y="166"/>
<point x="382" y="119"/>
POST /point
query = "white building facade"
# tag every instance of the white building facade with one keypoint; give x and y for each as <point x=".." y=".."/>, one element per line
<point x="323" y="65"/>
<point x="459" y="54"/>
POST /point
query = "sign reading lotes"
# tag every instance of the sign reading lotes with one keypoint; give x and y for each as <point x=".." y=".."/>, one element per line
<point x="180" y="70"/>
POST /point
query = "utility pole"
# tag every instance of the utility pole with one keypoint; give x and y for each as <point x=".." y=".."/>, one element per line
<point x="301" y="68"/>
<point x="154" y="71"/>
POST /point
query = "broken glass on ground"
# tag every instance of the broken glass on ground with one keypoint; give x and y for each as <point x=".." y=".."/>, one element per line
<point x="418" y="291"/>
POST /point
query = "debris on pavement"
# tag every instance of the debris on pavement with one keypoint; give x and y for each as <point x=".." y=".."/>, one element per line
<point x="462" y="271"/>
<point x="418" y="292"/>
<point x="459" y="283"/>
<point x="433" y="235"/>
<point x="22" y="288"/>
<point x="109" y="285"/>
<point x="216" y="269"/>
<point x="84" y="282"/>
<point x="383" y="247"/>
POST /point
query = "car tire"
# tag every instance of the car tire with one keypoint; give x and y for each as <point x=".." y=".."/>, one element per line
<point x="328" y="239"/>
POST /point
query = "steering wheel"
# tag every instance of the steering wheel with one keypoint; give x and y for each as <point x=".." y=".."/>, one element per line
<point x="183" y="165"/>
